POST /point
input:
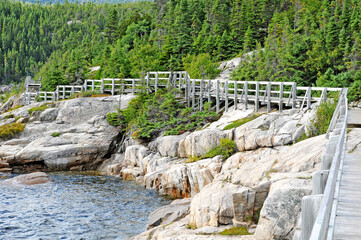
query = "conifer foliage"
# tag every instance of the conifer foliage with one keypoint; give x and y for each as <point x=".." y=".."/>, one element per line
<point x="314" y="42"/>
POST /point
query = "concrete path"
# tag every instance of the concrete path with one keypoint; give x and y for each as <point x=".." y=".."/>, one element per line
<point x="348" y="214"/>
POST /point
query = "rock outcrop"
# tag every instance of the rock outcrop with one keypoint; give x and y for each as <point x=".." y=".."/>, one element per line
<point x="70" y="135"/>
<point x="27" y="179"/>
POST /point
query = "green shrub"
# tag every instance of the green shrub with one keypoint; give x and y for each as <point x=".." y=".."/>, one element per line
<point x="40" y="108"/>
<point x="322" y="119"/>
<point x="87" y="94"/>
<point x="242" y="121"/>
<point x="8" y="131"/>
<point x="149" y="115"/>
<point x="56" y="134"/>
<point x="235" y="231"/>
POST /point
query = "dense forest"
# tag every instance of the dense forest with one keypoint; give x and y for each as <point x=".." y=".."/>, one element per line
<point x="312" y="42"/>
<point x="74" y="1"/>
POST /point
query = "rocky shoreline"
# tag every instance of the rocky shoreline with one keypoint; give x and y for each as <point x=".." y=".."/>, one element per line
<point x="260" y="187"/>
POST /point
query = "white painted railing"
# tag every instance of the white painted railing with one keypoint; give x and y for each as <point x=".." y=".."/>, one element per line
<point x="319" y="209"/>
<point x="197" y="91"/>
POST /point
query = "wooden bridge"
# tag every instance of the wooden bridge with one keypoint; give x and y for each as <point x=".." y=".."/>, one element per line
<point x="222" y="93"/>
<point x="333" y="211"/>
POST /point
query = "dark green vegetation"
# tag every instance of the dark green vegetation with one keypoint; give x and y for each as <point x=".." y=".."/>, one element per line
<point x="322" y="119"/>
<point x="235" y="231"/>
<point x="314" y="42"/>
<point x="150" y="115"/>
<point x="225" y="149"/>
<point x="73" y="1"/>
<point x="8" y="131"/>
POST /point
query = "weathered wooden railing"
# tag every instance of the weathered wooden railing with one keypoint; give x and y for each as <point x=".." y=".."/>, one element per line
<point x="197" y="91"/>
<point x="319" y="209"/>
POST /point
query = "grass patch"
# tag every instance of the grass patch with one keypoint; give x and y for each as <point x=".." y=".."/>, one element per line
<point x="193" y="159"/>
<point x="354" y="148"/>
<point x="235" y="231"/>
<point x="56" y="134"/>
<point x="88" y="94"/>
<point x="242" y="121"/>
<point x="349" y="130"/>
<point x="40" y="108"/>
<point x="226" y="148"/>
<point x="303" y="137"/>
<point x="8" y="131"/>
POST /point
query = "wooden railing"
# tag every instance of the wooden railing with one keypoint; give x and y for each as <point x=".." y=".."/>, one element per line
<point x="196" y="92"/>
<point x="319" y="209"/>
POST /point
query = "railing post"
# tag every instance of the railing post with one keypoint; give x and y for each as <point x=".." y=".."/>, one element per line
<point x="57" y="93"/>
<point x="72" y="90"/>
<point x="93" y="85"/>
<point x="226" y="95"/>
<point x="309" y="208"/>
<point x="281" y="97"/>
<point x="256" y="103"/>
<point x="133" y="86"/>
<point x="186" y="93"/>
<point x="209" y="90"/>
<point x="113" y="86"/>
<point x="102" y="86"/>
<point x="201" y="96"/>
<point x="193" y="94"/>
<point x="294" y="97"/>
<point x="235" y="95"/>
<point x="309" y="98"/>
<point x="269" y="97"/>
<point x="156" y="82"/>
<point x="63" y="92"/>
<point x="46" y="96"/>
<point x="189" y="92"/>
<point x="246" y="94"/>
<point x="319" y="180"/>
<point x="85" y="85"/>
<point x="217" y="96"/>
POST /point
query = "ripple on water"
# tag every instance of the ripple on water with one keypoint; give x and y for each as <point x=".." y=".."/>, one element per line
<point x="76" y="206"/>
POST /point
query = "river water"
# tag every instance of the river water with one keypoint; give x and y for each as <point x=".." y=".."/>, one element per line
<point x="76" y="206"/>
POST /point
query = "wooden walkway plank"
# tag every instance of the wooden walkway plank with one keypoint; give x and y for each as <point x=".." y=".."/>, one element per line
<point x="348" y="213"/>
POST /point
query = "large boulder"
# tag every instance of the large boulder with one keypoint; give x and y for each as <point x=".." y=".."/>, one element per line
<point x="170" y="213"/>
<point x="167" y="146"/>
<point x="28" y="179"/>
<point x="280" y="211"/>
<point x="271" y="130"/>
<point x="49" y="114"/>
<point x="214" y="204"/>
<point x="178" y="179"/>
<point x="200" y="142"/>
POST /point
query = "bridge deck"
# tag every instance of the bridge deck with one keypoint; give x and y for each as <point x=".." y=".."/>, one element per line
<point x="348" y="214"/>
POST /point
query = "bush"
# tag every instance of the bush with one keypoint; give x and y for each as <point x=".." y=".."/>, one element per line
<point x="322" y="119"/>
<point x="201" y="66"/>
<point x="8" y="131"/>
<point x="87" y="94"/>
<point x="40" y="108"/>
<point x="150" y="115"/>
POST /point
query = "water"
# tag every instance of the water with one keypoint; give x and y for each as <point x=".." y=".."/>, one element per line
<point x="76" y="206"/>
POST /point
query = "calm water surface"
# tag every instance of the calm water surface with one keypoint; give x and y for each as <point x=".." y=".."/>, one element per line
<point x="76" y="206"/>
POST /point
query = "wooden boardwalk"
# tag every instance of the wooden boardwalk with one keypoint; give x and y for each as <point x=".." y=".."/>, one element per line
<point x="348" y="211"/>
